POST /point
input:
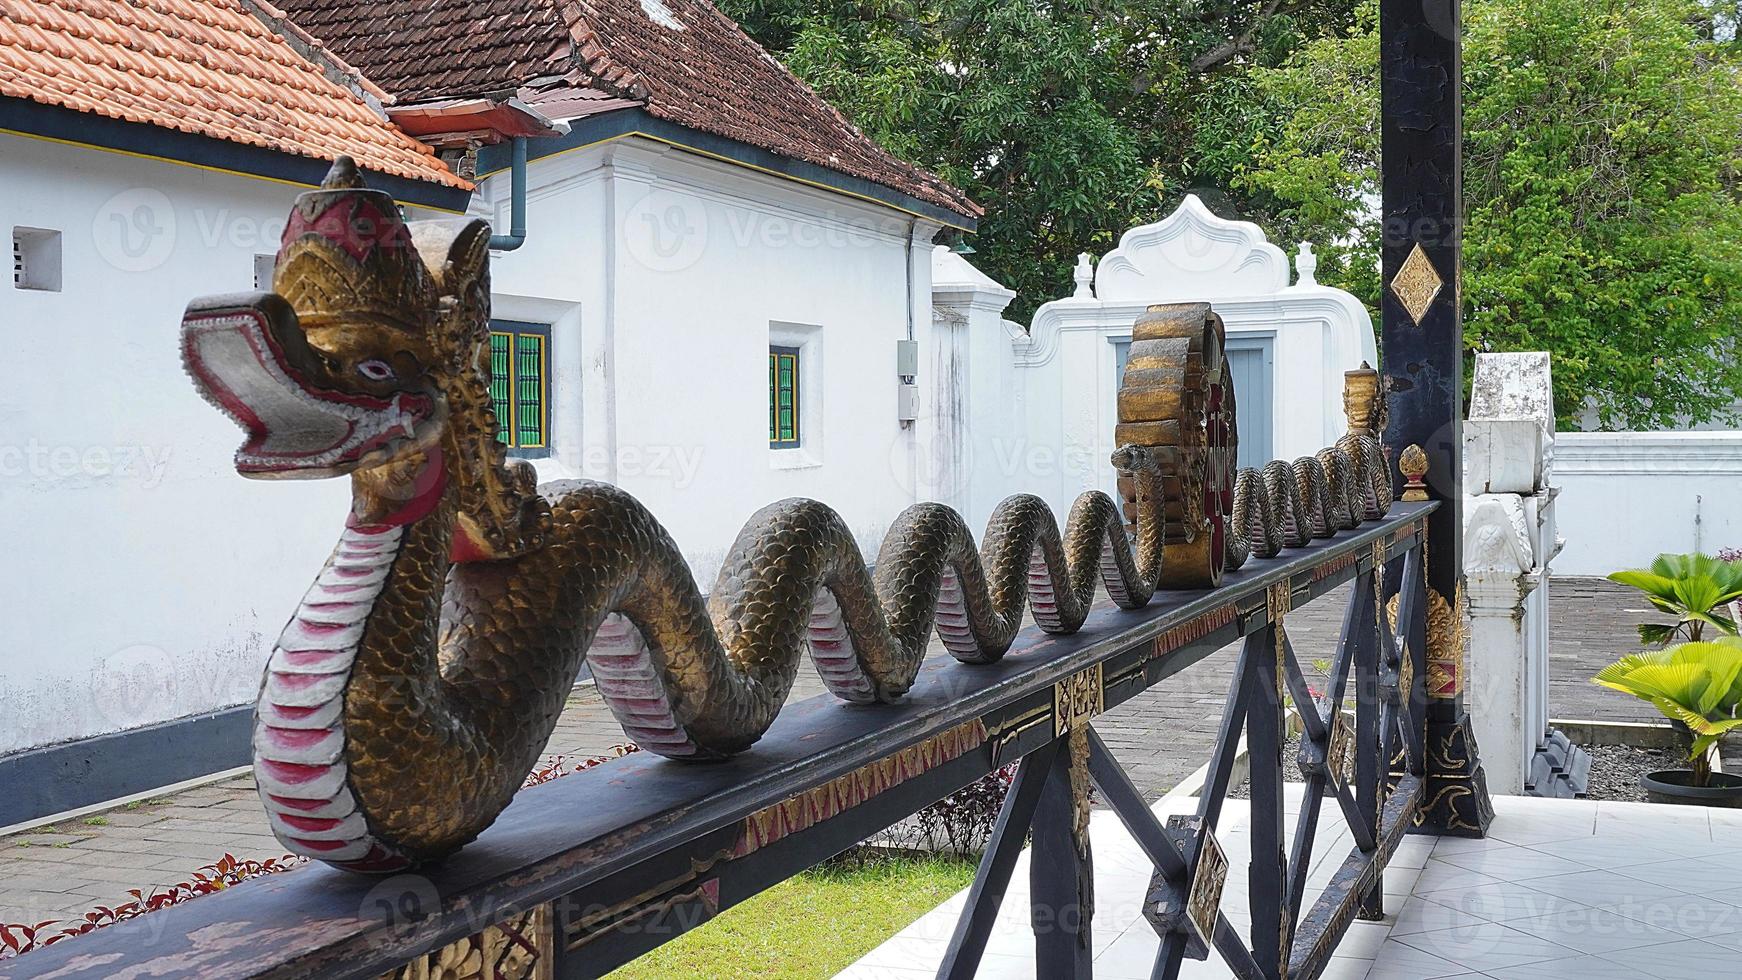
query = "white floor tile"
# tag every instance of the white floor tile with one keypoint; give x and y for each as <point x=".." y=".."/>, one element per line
<point x="1346" y="968"/>
<point x="1487" y="946"/>
<point x="1437" y="875"/>
<point x="1421" y="915"/>
<point x="1602" y="888"/>
<point x="1690" y="874"/>
<point x="1006" y="968"/>
<point x="864" y="971"/>
<point x="1501" y="901"/>
<point x="1595" y="930"/>
<point x="1363" y="940"/>
<point x="1689" y="960"/>
<point x="1610" y="854"/>
<point x="1687" y="915"/>
<point x="1132" y="957"/>
<point x="1513" y="864"/>
<point x="1465" y="845"/>
<point x="1401" y="881"/>
<point x="904" y="951"/>
<point x="1413" y="852"/>
<point x="1577" y="968"/>
<point x="1585" y="891"/>
<point x="1397" y="961"/>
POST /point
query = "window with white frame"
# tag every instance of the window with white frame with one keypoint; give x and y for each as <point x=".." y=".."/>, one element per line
<point x="795" y="395"/>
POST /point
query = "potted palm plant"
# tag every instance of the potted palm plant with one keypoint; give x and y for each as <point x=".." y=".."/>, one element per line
<point x="1698" y="686"/>
<point x="1696" y="589"/>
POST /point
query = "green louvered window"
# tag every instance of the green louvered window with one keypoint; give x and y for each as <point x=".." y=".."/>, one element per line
<point x="520" y="385"/>
<point x="783" y="404"/>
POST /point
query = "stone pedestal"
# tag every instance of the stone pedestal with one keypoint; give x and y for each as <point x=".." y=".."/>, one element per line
<point x="1509" y="543"/>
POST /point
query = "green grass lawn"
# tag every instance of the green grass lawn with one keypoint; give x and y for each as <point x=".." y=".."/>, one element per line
<point x="810" y="927"/>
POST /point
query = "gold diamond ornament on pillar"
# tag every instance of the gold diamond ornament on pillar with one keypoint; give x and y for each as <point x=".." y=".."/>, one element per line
<point x="1417" y="284"/>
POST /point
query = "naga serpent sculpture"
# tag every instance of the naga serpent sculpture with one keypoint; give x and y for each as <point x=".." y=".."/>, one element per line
<point x="424" y="670"/>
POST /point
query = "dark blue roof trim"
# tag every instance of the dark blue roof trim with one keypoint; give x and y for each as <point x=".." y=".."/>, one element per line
<point x="625" y="122"/>
<point x="54" y="122"/>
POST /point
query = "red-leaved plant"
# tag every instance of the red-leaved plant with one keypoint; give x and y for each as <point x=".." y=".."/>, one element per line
<point x="18" y="937"/>
<point x="961" y="823"/>
<point x="556" y="766"/>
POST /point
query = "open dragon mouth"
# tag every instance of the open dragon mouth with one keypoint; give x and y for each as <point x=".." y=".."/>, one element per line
<point x="296" y="427"/>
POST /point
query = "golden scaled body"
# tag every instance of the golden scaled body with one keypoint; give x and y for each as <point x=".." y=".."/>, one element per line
<point x="422" y="674"/>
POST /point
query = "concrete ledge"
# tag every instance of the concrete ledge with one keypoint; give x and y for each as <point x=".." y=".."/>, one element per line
<point x="1638" y="734"/>
<point x="56" y="779"/>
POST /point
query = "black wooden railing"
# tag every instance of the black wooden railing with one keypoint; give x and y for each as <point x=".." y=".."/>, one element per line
<point x="585" y="873"/>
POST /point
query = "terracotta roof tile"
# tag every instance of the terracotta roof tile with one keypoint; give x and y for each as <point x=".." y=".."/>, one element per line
<point x="704" y="73"/>
<point x="207" y="67"/>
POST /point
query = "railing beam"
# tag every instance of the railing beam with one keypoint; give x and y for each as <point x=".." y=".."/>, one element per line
<point x="1061" y="871"/>
<point x="968" y="943"/>
<point x="1266" y="882"/>
<point x="606" y="864"/>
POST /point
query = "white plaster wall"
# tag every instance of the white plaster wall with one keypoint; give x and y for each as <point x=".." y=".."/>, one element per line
<point x="139" y="597"/>
<point x="976" y="389"/>
<point x="143" y="579"/>
<point x="1627" y="497"/>
<point x="671" y="269"/>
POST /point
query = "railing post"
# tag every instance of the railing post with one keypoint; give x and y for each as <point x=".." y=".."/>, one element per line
<point x="1422" y="312"/>
<point x="1371" y="766"/>
<point x="1415" y="706"/>
<point x="1267" y="881"/>
<point x="1061" y="870"/>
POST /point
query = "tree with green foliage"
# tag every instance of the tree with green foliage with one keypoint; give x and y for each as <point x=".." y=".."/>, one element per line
<point x="1603" y="144"/>
<point x="1069" y="121"/>
<point x="1602" y="153"/>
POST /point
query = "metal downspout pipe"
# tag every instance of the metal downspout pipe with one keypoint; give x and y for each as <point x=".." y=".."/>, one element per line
<point x="516" y="236"/>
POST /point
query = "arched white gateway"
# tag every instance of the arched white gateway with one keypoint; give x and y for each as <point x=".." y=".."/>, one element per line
<point x="1289" y="344"/>
<point x="1044" y="397"/>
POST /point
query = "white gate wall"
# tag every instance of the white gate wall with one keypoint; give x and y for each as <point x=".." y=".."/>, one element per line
<point x="1052" y="430"/>
<point x="1627" y="497"/>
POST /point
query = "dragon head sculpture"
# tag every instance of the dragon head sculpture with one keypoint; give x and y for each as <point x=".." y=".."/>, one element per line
<point x="369" y="359"/>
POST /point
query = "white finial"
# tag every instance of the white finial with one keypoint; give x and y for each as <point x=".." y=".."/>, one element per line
<point x="1085" y="277"/>
<point x="1306" y="262"/>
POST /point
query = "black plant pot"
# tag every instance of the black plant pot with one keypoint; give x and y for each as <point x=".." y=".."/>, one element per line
<point x="1676" y="786"/>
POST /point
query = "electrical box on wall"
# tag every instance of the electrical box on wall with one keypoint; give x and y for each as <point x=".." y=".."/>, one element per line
<point x="907" y="359"/>
<point x="907" y="402"/>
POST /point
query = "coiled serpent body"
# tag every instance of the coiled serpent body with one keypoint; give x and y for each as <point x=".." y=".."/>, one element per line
<point x="425" y="669"/>
<point x="468" y="706"/>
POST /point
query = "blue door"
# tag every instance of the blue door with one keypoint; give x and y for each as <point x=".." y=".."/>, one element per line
<point x="1251" y="363"/>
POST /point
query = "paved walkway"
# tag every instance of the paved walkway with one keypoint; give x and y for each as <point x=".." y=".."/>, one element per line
<point x="1561" y="890"/>
<point x="1161" y="737"/>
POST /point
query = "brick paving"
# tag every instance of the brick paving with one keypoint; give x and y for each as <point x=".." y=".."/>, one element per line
<point x="1160" y="736"/>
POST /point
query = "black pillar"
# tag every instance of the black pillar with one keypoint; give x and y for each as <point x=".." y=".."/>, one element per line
<point x="1422" y="353"/>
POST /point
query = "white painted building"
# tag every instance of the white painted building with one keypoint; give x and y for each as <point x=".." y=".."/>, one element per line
<point x="666" y="273"/>
<point x="139" y="585"/>
<point x="667" y="277"/>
